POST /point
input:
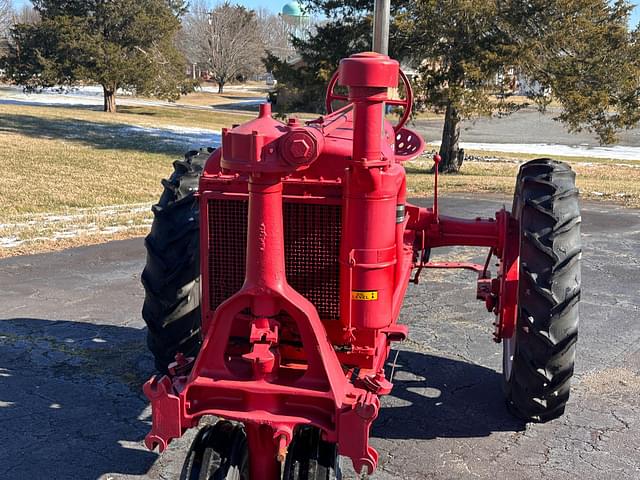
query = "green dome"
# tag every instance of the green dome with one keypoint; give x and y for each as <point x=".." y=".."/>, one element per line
<point x="292" y="9"/>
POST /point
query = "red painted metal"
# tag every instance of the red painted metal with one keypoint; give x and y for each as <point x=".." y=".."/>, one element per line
<point x="308" y="246"/>
<point x="405" y="103"/>
<point x="409" y="145"/>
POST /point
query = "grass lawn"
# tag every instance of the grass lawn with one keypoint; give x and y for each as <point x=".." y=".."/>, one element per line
<point x="601" y="179"/>
<point x="230" y="95"/>
<point x="68" y="171"/>
<point x="76" y="176"/>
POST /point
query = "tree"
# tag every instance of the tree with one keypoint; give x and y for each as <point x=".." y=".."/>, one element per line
<point x="6" y="13"/>
<point x="125" y="44"/>
<point x="347" y="30"/>
<point x="275" y="33"/>
<point x="226" y="41"/>
<point x="26" y="14"/>
<point x="461" y="56"/>
<point x="579" y="49"/>
<point x="583" y="51"/>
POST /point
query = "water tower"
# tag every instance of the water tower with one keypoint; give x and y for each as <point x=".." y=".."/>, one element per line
<point x="296" y="19"/>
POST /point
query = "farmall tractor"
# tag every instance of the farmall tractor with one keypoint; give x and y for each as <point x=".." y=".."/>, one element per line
<point x="277" y="268"/>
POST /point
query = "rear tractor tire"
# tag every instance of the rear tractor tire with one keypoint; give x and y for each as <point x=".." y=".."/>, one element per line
<point x="538" y="361"/>
<point x="171" y="277"/>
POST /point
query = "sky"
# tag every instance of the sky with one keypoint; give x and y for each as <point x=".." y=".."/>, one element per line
<point x="275" y="6"/>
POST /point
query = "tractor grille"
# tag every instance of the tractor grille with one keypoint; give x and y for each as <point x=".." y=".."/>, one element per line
<point x="312" y="245"/>
<point x="227" y="248"/>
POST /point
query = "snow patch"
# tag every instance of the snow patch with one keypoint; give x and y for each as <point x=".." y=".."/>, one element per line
<point x="83" y="214"/>
<point x="189" y="137"/>
<point x="93" y="97"/>
<point x="10" y="242"/>
<point x="618" y="152"/>
<point x="84" y="221"/>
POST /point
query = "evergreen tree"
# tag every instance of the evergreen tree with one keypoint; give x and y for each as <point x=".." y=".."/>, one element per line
<point x="347" y="30"/>
<point x="116" y="43"/>
<point x="583" y="51"/>
<point x="579" y="50"/>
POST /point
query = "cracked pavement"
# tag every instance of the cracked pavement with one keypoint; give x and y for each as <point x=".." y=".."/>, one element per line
<point x="73" y="359"/>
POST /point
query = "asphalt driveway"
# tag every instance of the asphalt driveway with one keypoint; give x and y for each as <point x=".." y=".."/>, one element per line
<point x="72" y="361"/>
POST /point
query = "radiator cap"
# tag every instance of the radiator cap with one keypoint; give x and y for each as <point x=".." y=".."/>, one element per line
<point x="369" y="69"/>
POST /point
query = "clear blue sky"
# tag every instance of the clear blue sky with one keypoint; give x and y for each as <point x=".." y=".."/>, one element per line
<point x="277" y="5"/>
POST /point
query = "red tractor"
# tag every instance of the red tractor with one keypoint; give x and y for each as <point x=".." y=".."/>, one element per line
<point x="273" y="291"/>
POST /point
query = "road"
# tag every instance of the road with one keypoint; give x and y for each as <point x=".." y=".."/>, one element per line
<point x="72" y="359"/>
<point x="525" y="126"/>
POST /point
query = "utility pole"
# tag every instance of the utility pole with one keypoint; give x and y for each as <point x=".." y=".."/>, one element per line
<point x="382" y="19"/>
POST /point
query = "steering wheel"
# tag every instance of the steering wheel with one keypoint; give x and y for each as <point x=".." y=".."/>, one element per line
<point x="406" y="103"/>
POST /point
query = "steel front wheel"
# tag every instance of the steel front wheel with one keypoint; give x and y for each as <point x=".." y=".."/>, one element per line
<point x="311" y="458"/>
<point x="219" y="452"/>
<point x="538" y="361"/>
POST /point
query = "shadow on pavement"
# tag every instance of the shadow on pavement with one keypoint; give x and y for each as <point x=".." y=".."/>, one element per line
<point x="442" y="397"/>
<point x="71" y="404"/>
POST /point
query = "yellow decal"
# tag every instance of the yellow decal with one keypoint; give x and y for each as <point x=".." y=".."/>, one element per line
<point x="364" y="295"/>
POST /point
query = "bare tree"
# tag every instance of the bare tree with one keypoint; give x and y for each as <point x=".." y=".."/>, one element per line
<point x="275" y="34"/>
<point x="9" y="17"/>
<point x="26" y="14"/>
<point x="6" y="15"/>
<point x="225" y="41"/>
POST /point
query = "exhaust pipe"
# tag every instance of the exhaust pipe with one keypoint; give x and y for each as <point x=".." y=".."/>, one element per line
<point x="381" y="21"/>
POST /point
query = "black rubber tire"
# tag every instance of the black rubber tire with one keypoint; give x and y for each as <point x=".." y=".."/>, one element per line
<point x="219" y="452"/>
<point x="171" y="277"/>
<point x="310" y="457"/>
<point x="547" y="206"/>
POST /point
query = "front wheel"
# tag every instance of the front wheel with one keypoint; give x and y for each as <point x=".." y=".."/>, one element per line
<point x="311" y="458"/>
<point x="219" y="452"/>
<point x="538" y="360"/>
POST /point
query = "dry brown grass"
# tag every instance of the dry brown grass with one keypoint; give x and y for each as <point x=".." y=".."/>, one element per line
<point x="59" y="158"/>
<point x="71" y="178"/>
<point x="602" y="181"/>
<point x="54" y="176"/>
<point x="215" y="99"/>
<point x="130" y="115"/>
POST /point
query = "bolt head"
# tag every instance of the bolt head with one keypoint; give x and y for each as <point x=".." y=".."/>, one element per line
<point x="300" y="148"/>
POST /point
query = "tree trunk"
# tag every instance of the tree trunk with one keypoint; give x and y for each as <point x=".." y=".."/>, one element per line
<point x="450" y="147"/>
<point x="220" y="87"/>
<point x="109" y="99"/>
